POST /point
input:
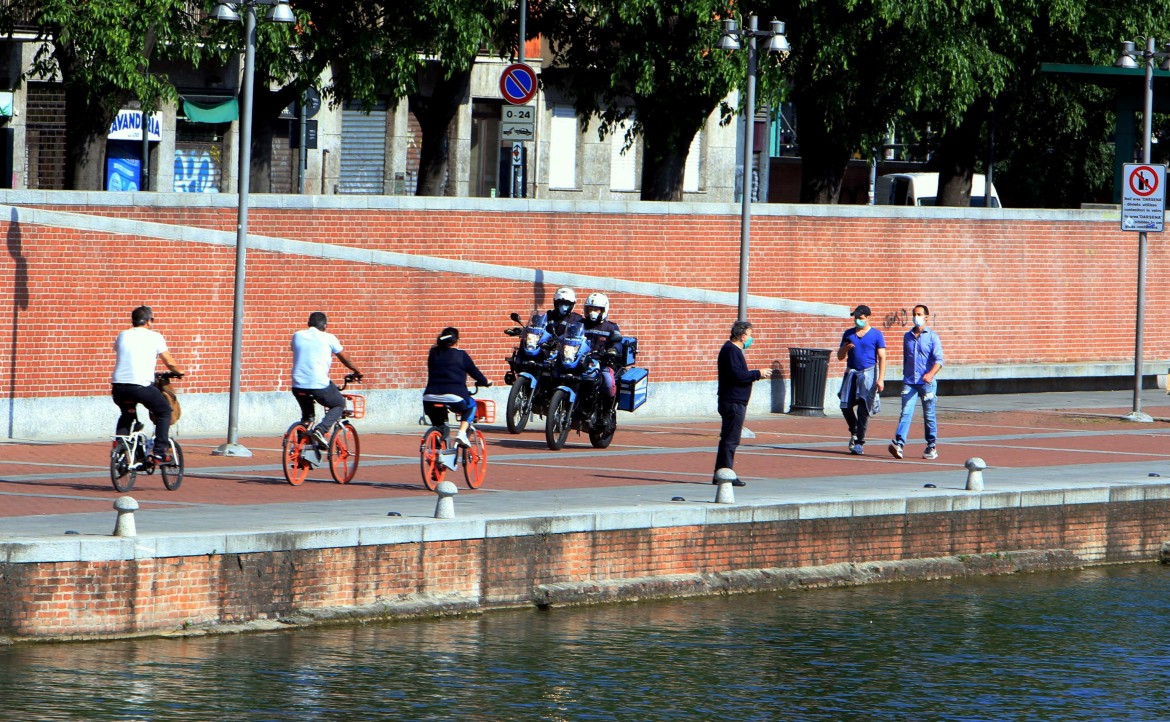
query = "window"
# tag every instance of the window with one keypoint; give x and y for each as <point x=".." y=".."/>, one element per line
<point x="623" y="167"/>
<point x="691" y="173"/>
<point x="562" y="148"/>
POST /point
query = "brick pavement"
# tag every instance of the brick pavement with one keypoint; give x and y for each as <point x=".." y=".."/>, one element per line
<point x="1018" y="432"/>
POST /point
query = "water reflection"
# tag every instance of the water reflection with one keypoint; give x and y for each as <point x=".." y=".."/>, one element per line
<point x="1088" y="645"/>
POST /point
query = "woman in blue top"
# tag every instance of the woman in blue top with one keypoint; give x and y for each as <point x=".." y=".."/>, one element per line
<point x="448" y="367"/>
<point x="863" y="348"/>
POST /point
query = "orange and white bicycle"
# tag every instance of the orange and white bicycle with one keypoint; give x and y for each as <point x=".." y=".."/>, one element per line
<point x="301" y="455"/>
<point x="438" y="452"/>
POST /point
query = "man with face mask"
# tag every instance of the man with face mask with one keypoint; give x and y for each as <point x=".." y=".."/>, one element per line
<point x="922" y="358"/>
<point x="600" y="332"/>
<point x="863" y="348"/>
<point x="562" y="313"/>
<point x="735" y="390"/>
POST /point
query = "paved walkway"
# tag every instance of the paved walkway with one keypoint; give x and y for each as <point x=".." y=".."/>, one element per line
<point x="1030" y="441"/>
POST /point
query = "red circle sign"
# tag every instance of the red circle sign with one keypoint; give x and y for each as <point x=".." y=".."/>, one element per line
<point x="1143" y="180"/>
<point x="518" y="84"/>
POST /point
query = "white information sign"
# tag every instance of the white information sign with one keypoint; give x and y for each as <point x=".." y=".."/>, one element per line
<point x="517" y="123"/>
<point x="1143" y="197"/>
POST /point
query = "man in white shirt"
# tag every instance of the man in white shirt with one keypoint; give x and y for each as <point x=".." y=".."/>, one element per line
<point x="313" y="350"/>
<point x="132" y="383"/>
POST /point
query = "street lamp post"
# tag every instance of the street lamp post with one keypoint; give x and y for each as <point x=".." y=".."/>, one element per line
<point x="1128" y="59"/>
<point x="227" y="11"/>
<point x="732" y="39"/>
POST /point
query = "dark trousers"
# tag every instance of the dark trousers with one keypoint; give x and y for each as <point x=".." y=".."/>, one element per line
<point x="330" y="397"/>
<point x="733" y="415"/>
<point x="128" y="396"/>
<point x="859" y="420"/>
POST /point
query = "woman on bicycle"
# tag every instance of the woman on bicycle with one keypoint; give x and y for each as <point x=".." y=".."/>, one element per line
<point x="448" y="367"/>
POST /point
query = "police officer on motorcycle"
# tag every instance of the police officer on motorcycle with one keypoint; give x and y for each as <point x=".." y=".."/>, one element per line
<point x="562" y="313"/>
<point x="603" y="335"/>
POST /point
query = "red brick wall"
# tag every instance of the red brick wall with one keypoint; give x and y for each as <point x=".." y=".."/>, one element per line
<point x="1010" y="291"/>
<point x="123" y="597"/>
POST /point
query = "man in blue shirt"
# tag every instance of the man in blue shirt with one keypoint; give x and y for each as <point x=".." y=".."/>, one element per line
<point x="863" y="348"/>
<point x="922" y="357"/>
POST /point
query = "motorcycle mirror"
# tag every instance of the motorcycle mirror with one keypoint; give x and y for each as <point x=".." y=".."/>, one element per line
<point x="515" y="317"/>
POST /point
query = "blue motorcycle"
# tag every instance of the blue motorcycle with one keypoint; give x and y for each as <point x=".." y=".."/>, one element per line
<point x="529" y="371"/>
<point x="578" y="401"/>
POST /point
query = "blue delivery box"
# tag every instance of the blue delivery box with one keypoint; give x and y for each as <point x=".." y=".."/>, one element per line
<point x="633" y="388"/>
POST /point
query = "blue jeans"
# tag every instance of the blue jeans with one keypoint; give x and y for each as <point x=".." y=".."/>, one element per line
<point x="910" y="395"/>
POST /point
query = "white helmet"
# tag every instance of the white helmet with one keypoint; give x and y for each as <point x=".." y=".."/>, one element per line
<point x="565" y="294"/>
<point x="599" y="301"/>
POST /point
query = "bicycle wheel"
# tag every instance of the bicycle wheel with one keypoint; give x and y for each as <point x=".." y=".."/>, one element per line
<point x="295" y="469"/>
<point x="172" y="473"/>
<point x="344" y="452"/>
<point x="475" y="461"/>
<point x="120" y="472"/>
<point x="559" y="420"/>
<point x="432" y="466"/>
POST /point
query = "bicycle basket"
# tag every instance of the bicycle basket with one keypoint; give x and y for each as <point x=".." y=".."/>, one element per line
<point x="485" y="411"/>
<point x="355" y="406"/>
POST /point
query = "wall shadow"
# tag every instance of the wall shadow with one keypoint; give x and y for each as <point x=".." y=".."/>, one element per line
<point x="19" y="303"/>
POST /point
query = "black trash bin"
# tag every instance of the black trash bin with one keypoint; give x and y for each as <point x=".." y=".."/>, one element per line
<point x="810" y="373"/>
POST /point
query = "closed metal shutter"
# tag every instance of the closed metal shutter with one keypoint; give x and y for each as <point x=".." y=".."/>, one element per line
<point x="363" y="151"/>
<point x="199" y="157"/>
<point x="45" y="140"/>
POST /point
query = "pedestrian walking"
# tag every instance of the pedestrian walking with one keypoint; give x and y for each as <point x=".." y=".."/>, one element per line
<point x="922" y="358"/>
<point x="863" y="348"/>
<point x="735" y="390"/>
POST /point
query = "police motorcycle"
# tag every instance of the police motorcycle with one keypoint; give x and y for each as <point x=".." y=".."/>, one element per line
<point x="528" y="373"/>
<point x="578" y="401"/>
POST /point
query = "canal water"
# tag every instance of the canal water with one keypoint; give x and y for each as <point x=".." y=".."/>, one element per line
<point x="1087" y="645"/>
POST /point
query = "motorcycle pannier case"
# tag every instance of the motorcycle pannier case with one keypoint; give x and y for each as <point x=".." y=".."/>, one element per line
<point x="633" y="388"/>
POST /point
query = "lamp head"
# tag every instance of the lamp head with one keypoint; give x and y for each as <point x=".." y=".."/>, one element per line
<point x="778" y="43"/>
<point x="730" y="38"/>
<point x="226" y="12"/>
<point x="1126" y="58"/>
<point x="281" y="13"/>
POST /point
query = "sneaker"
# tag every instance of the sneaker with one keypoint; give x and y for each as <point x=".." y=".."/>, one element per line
<point x="896" y="450"/>
<point x="852" y="442"/>
<point x="319" y="439"/>
<point x="930" y="453"/>
<point x="161" y="457"/>
<point x="461" y="439"/>
<point x="857" y="449"/>
<point x="734" y="482"/>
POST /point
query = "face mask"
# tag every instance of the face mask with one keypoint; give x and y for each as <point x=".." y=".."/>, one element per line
<point x="920" y="321"/>
<point x="861" y="322"/>
<point x="563" y="308"/>
<point x="594" y="315"/>
<point x="747" y="343"/>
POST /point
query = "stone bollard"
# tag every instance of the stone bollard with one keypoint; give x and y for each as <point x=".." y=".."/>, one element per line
<point x="726" y="492"/>
<point x="975" y="467"/>
<point x="126" y="506"/>
<point x="1164" y="554"/>
<point x="445" y="509"/>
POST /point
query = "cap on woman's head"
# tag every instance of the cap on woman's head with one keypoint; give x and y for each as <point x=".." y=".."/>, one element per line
<point x="448" y="336"/>
<point x="861" y="310"/>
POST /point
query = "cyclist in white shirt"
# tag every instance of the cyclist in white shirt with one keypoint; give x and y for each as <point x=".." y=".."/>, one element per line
<point x="132" y="383"/>
<point x="313" y="350"/>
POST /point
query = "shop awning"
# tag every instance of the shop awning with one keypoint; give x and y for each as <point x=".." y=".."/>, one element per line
<point x="215" y="111"/>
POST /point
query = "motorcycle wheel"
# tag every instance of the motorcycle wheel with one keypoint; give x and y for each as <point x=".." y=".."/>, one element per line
<point x="601" y="438"/>
<point x="519" y="406"/>
<point x="559" y="420"/>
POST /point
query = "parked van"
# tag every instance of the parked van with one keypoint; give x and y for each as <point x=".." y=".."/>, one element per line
<point x="921" y="189"/>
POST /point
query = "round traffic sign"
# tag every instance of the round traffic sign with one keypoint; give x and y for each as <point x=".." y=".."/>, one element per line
<point x="1143" y="180"/>
<point x="518" y="84"/>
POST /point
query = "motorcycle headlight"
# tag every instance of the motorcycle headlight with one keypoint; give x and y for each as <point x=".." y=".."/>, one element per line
<point x="570" y="352"/>
<point x="531" y="341"/>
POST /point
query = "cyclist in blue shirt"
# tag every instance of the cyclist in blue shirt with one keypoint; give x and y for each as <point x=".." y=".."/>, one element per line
<point x="863" y="348"/>
<point x="922" y="358"/>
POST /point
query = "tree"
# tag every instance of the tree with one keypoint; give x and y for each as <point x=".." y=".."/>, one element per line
<point x="422" y="50"/>
<point x="651" y="63"/>
<point x="101" y="52"/>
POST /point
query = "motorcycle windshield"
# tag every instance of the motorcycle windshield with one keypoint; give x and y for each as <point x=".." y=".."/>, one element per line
<point x="538" y="320"/>
<point x="535" y="333"/>
<point x="572" y="342"/>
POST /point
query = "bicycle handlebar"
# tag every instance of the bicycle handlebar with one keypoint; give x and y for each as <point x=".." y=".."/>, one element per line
<point x="163" y="375"/>
<point x="351" y="378"/>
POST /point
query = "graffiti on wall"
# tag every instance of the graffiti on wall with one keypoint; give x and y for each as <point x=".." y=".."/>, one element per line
<point x="196" y="170"/>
